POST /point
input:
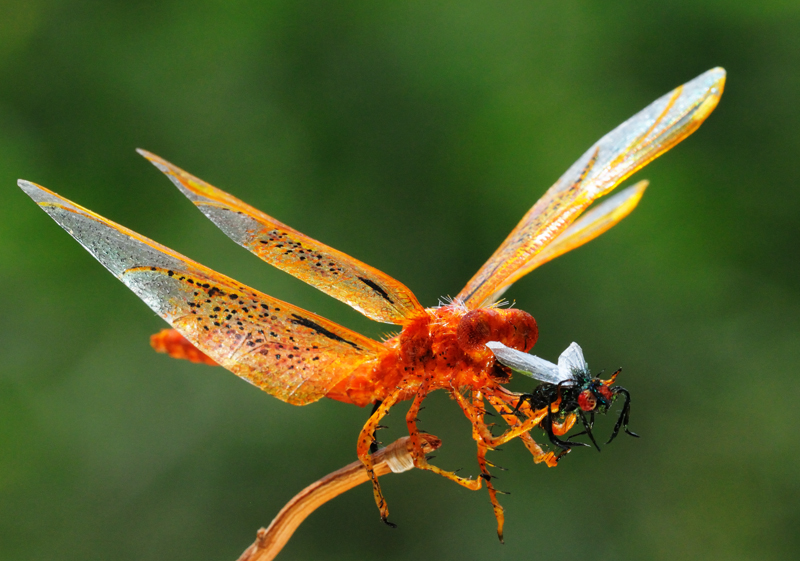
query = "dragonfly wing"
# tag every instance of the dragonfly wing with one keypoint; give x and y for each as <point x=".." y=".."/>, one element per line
<point x="370" y="291"/>
<point x="617" y="155"/>
<point x="527" y="364"/>
<point x="288" y="352"/>
<point x="596" y="221"/>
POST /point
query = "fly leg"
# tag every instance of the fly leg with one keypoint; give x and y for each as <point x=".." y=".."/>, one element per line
<point x="548" y="423"/>
<point x="420" y="461"/>
<point x="365" y="440"/>
<point x="554" y="430"/>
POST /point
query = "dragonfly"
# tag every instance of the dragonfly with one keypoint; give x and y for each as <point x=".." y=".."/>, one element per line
<point x="459" y="346"/>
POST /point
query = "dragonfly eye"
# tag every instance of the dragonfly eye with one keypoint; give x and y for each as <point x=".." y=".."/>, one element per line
<point x="477" y="328"/>
<point x="521" y="330"/>
<point x="587" y="401"/>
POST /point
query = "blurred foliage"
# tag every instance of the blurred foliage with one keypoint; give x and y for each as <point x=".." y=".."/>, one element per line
<point x="412" y="136"/>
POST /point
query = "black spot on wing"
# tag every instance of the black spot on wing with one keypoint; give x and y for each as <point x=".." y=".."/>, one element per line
<point x="321" y="330"/>
<point x="376" y="288"/>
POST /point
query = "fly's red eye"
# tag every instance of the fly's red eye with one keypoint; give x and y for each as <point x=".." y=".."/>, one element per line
<point x="587" y="401"/>
<point x="605" y="392"/>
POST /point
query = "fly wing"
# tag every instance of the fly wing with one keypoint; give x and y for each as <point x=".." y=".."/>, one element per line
<point x="527" y="364"/>
<point x="288" y="352"/>
<point x="571" y="361"/>
<point x="373" y="293"/>
<point x="596" y="221"/>
<point x="617" y="155"/>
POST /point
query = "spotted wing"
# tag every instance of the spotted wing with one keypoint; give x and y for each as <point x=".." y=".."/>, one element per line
<point x="373" y="293"/>
<point x="586" y="228"/>
<point x="288" y="352"/>
<point x="617" y="155"/>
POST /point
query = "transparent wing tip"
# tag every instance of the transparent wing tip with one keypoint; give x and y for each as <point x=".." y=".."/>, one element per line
<point x="39" y="194"/>
<point x="192" y="187"/>
<point x="714" y="79"/>
<point x="157" y="161"/>
<point x="28" y="187"/>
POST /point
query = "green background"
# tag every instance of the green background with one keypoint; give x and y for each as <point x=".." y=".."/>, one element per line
<point x="413" y="136"/>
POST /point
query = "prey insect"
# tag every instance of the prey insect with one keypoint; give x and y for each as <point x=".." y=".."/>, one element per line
<point x="300" y="357"/>
<point x="567" y="388"/>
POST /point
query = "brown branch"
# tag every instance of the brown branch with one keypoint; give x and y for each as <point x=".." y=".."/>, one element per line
<point x="394" y="458"/>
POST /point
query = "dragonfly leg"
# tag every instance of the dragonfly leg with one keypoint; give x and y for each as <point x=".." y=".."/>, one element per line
<point x="365" y="440"/>
<point x="496" y="506"/>
<point x="502" y="401"/>
<point x="476" y="416"/>
<point x="375" y="444"/>
<point x="517" y="428"/>
<point x="560" y="429"/>
<point x="420" y="461"/>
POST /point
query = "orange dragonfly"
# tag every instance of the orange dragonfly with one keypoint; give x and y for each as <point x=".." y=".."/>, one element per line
<point x="300" y="357"/>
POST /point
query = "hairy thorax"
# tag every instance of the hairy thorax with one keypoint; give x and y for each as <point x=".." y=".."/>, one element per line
<point x="444" y="348"/>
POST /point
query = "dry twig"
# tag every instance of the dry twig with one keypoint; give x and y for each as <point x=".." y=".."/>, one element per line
<point x="394" y="458"/>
